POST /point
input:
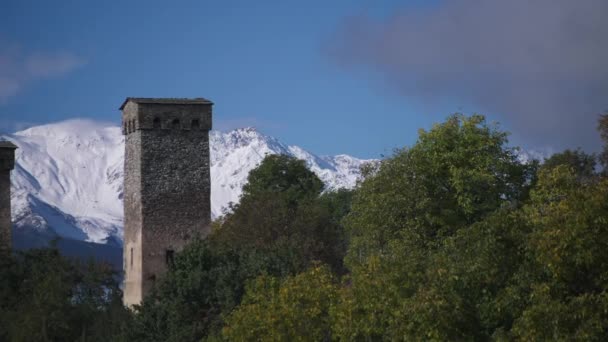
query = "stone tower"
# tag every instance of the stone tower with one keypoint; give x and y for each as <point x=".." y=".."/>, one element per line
<point x="166" y="185"/>
<point x="7" y="163"/>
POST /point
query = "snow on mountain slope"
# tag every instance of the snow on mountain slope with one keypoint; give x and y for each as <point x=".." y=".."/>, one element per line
<point x="69" y="175"/>
<point x="235" y="153"/>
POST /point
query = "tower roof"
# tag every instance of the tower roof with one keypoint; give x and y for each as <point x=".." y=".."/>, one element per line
<point x="7" y="144"/>
<point x="151" y="100"/>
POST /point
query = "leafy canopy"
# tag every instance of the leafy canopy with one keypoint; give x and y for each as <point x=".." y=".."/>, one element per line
<point x="456" y="174"/>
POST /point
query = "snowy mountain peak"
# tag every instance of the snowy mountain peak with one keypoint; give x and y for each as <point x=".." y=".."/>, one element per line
<point x="247" y="129"/>
<point x="244" y="137"/>
<point x="68" y="179"/>
<point x="74" y="129"/>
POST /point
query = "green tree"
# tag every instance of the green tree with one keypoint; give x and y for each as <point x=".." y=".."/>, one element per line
<point x="535" y="272"/>
<point x="582" y="164"/>
<point x="407" y="279"/>
<point x="457" y="173"/>
<point x="188" y="301"/>
<point x="455" y="239"/>
<point x="47" y="297"/>
<point x="43" y="313"/>
<point x="283" y="213"/>
<point x="292" y="309"/>
<point x="285" y="175"/>
<point x="567" y="279"/>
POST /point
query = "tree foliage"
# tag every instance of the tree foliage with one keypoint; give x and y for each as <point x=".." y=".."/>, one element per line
<point x="581" y="163"/>
<point x="456" y="174"/>
<point x="529" y="263"/>
<point x="46" y="297"/>
<point x="282" y="212"/>
<point x="188" y="301"/>
<point x="453" y="238"/>
<point x="566" y="280"/>
<point x="284" y="175"/>
<point x="293" y="309"/>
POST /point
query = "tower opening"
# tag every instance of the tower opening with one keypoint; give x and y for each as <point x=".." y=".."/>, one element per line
<point x="196" y="124"/>
<point x="156" y="123"/>
<point x="169" y="255"/>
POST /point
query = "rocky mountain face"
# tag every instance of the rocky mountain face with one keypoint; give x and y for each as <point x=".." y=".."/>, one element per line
<point x="68" y="177"/>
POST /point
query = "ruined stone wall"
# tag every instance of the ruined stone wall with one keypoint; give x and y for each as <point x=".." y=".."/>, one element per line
<point x="167" y="187"/>
<point x="5" y="209"/>
<point x="7" y="163"/>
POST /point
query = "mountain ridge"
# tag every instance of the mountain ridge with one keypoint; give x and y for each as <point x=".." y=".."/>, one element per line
<point x="68" y="175"/>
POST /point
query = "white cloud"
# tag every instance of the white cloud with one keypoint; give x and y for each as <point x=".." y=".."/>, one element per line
<point x="18" y="70"/>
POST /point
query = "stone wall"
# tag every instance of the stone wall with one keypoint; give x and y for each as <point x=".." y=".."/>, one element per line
<point x="7" y="163"/>
<point x="132" y="253"/>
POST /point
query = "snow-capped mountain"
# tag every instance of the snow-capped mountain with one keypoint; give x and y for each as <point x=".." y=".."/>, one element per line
<point x="68" y="176"/>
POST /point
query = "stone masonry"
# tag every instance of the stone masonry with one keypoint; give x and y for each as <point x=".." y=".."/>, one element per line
<point x="7" y="163"/>
<point x="167" y="186"/>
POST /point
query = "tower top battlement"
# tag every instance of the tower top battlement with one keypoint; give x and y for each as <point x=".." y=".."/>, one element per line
<point x="166" y="100"/>
<point x="141" y="113"/>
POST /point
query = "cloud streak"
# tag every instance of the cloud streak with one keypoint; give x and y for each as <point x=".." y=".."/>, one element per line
<point x="18" y="70"/>
<point x="540" y="65"/>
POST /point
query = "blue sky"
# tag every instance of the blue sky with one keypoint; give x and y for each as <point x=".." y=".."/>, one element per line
<point x="268" y="64"/>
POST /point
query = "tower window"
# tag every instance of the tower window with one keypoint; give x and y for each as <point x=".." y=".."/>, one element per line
<point x="196" y="124"/>
<point x="156" y="123"/>
<point x="175" y="123"/>
<point x="131" y="257"/>
<point x="169" y="254"/>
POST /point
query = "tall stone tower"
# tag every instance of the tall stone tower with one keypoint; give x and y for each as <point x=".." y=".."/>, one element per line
<point x="7" y="163"/>
<point x="166" y="186"/>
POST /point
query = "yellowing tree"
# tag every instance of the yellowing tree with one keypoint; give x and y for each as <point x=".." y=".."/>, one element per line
<point x="294" y="309"/>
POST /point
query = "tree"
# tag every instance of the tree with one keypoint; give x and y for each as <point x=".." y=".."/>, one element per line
<point x="282" y="213"/>
<point x="582" y="164"/>
<point x="293" y="309"/>
<point x="46" y="297"/>
<point x="187" y="303"/>
<point x="455" y="239"/>
<point x="418" y="264"/>
<point x="285" y="175"/>
<point x="534" y="272"/>
<point x="566" y="281"/>
<point x="456" y="174"/>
